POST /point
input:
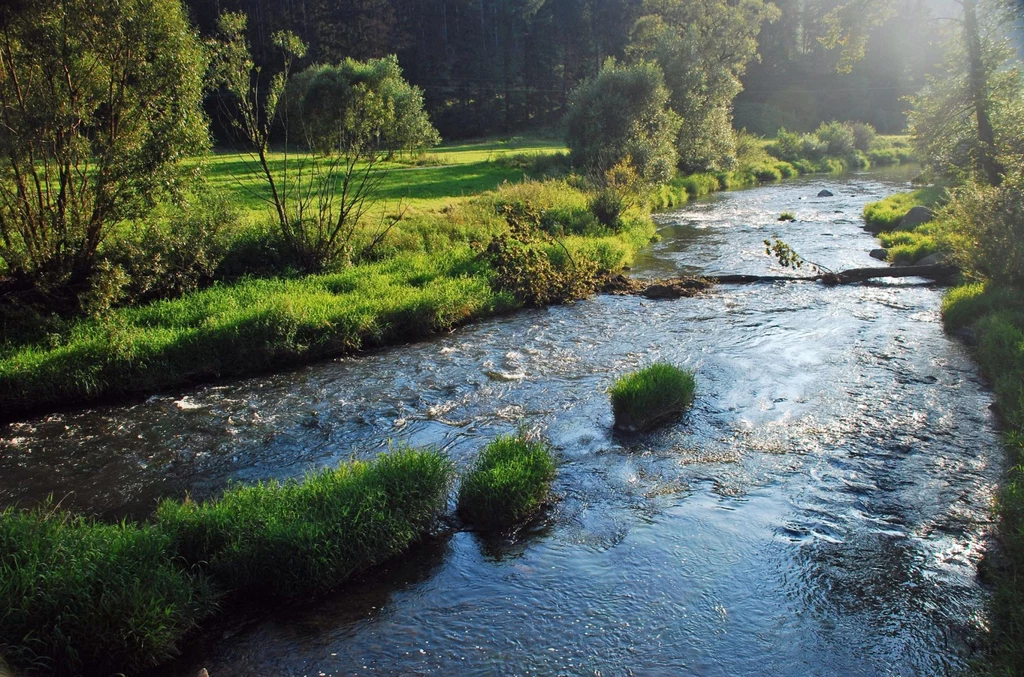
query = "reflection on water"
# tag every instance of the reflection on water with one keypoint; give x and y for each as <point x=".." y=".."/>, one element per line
<point x="820" y="511"/>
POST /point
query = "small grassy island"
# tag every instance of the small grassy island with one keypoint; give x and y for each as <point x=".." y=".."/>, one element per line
<point x="647" y="397"/>
<point x="508" y="484"/>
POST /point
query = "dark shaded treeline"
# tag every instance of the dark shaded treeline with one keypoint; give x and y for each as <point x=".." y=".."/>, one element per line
<point x="500" y="66"/>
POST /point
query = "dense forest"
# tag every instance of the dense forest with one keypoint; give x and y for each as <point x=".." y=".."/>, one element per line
<point x="501" y="66"/>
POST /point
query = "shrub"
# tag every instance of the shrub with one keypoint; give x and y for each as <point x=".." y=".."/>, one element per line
<point x="623" y="114"/>
<point x="77" y="596"/>
<point x="646" y="397"/>
<point x="508" y="484"/>
<point x="524" y="269"/>
<point x="699" y="185"/>
<point x="990" y="223"/>
<point x="838" y="139"/>
<point x="176" y="254"/>
<point x="787" y="216"/>
<point x="298" y="538"/>
<point x="863" y="135"/>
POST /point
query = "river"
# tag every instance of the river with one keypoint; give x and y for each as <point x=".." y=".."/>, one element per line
<point x="822" y="509"/>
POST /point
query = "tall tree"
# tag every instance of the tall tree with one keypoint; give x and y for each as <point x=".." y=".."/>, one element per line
<point x="703" y="46"/>
<point x="99" y="103"/>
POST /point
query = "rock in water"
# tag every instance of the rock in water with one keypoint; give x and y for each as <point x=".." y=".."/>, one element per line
<point x="915" y="217"/>
<point x="880" y="254"/>
<point x="824" y="193"/>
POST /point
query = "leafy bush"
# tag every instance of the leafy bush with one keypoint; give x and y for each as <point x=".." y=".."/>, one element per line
<point x="177" y="254"/>
<point x="508" y="484"/>
<point x="990" y="223"/>
<point x="646" y="397"/>
<point x="787" y="216"/>
<point x="838" y="138"/>
<point x="300" y="538"/>
<point x="623" y="114"/>
<point x="699" y="185"/>
<point x="77" y="596"/>
<point x="524" y="269"/>
<point x="863" y="135"/>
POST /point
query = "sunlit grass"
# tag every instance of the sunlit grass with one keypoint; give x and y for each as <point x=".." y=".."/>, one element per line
<point x="508" y="484"/>
<point x="78" y="596"/>
<point x="647" y="397"/>
<point x="297" y="538"/>
<point x="888" y="213"/>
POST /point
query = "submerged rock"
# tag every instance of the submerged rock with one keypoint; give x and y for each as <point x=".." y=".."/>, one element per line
<point x="825" y="193"/>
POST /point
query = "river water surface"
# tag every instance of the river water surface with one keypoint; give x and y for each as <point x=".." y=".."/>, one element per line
<point x="820" y="511"/>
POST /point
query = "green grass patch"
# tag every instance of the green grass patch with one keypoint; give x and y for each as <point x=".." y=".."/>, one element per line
<point x="787" y="216"/>
<point x="246" y="327"/>
<point x="909" y="247"/>
<point x="78" y="596"/>
<point x="698" y="185"/>
<point x="646" y="397"/>
<point x="888" y="213"/>
<point x="283" y="540"/>
<point x="508" y="484"/>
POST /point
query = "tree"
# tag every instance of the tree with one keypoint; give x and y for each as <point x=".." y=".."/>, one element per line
<point x="99" y="103"/>
<point x="945" y="123"/>
<point x="848" y="25"/>
<point x="350" y="116"/>
<point x="623" y="115"/>
<point x="703" y="47"/>
<point x="354" y="104"/>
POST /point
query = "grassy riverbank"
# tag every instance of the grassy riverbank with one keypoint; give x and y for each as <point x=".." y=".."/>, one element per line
<point x="434" y="270"/>
<point x="78" y="596"/>
<point x="991" y="318"/>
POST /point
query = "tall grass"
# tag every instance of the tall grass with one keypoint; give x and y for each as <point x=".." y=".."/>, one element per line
<point x="283" y="540"/>
<point x="646" y="397"/>
<point x="246" y="327"/>
<point x="77" y="596"/>
<point x="508" y="484"/>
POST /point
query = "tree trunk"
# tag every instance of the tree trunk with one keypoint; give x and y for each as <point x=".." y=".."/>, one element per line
<point x="988" y="165"/>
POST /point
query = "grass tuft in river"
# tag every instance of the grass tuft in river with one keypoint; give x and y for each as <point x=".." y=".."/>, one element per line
<point x="283" y="540"/>
<point x="508" y="484"/>
<point x="77" y="596"/>
<point x="646" y="397"/>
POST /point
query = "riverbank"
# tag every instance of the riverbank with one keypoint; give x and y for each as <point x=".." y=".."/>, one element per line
<point x="443" y="264"/>
<point x="648" y="517"/>
<point x="989" y="317"/>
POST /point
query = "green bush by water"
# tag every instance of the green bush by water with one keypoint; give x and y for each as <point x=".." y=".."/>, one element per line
<point x="283" y="540"/>
<point x="646" y="397"/>
<point x="508" y="484"/>
<point x="77" y="596"/>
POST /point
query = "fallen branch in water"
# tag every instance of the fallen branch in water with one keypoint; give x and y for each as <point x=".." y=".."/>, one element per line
<point x="691" y="286"/>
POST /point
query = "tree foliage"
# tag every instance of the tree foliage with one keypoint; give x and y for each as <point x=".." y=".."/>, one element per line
<point x="623" y="115"/>
<point x="353" y="105"/>
<point x="99" y="102"/>
<point x="944" y="118"/>
<point x="703" y="48"/>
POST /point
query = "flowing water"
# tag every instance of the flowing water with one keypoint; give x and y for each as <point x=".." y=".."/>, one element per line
<point x="820" y="511"/>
